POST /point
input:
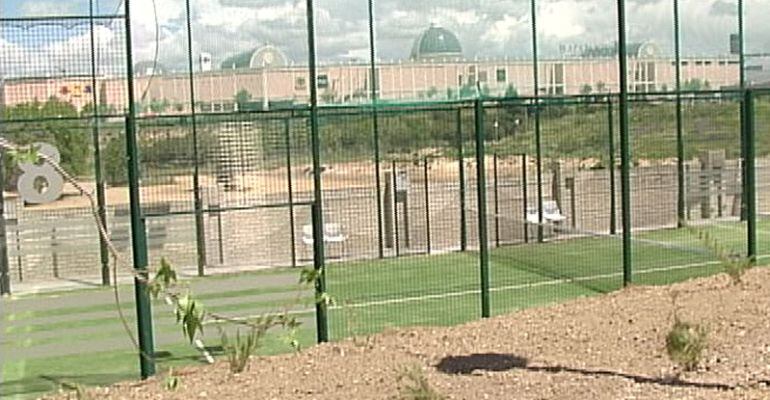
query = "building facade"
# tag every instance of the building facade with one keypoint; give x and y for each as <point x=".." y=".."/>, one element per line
<point x="435" y="69"/>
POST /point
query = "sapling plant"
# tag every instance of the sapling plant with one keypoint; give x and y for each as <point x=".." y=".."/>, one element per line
<point x="685" y="344"/>
<point x="732" y="263"/>
<point x="414" y="385"/>
<point x="172" y="381"/>
<point x="240" y="350"/>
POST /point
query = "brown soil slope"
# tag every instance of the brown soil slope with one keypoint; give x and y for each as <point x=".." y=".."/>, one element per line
<point x="608" y="347"/>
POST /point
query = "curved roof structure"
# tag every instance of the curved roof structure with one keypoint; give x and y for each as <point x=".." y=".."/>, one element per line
<point x="267" y="55"/>
<point x="436" y="43"/>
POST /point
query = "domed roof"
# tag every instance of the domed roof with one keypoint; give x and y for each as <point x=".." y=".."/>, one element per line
<point x="264" y="56"/>
<point x="436" y="43"/>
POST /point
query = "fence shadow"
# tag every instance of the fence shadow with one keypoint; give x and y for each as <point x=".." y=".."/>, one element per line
<point x="495" y="362"/>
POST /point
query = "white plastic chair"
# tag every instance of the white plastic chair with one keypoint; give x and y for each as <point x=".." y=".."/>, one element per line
<point x="332" y="234"/>
<point x="552" y="216"/>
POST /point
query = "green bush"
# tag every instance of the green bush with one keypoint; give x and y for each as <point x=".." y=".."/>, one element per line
<point x="114" y="161"/>
<point x="56" y="122"/>
<point x="685" y="344"/>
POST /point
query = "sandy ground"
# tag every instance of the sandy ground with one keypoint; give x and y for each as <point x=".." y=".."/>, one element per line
<point x="608" y="347"/>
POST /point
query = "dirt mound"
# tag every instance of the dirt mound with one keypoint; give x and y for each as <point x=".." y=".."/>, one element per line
<point x="608" y="347"/>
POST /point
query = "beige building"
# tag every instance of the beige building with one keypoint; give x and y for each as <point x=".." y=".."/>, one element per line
<point x="436" y="69"/>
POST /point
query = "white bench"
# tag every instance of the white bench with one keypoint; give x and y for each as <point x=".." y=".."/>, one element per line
<point x="552" y="217"/>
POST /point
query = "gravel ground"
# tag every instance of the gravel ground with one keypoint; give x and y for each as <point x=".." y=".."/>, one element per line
<point x="608" y="347"/>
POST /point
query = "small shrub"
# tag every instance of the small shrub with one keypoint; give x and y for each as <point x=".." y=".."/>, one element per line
<point x="172" y="381"/>
<point x="74" y="390"/>
<point x="413" y="385"/>
<point x="241" y="348"/>
<point x="685" y="344"/>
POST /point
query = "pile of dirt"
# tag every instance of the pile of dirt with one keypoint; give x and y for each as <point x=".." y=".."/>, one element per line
<point x="607" y="347"/>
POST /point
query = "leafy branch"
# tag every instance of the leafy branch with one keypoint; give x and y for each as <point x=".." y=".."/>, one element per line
<point x="189" y="312"/>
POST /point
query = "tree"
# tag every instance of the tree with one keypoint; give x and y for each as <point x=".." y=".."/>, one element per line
<point x="103" y="110"/>
<point x="159" y="106"/>
<point x="56" y="122"/>
<point x="693" y="85"/>
<point x="115" y="162"/>
<point x="467" y="91"/>
<point x="586" y="89"/>
<point x="242" y="97"/>
<point x="328" y="96"/>
<point x="601" y="87"/>
<point x="511" y="91"/>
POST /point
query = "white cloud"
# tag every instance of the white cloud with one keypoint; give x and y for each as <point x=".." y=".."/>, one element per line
<point x="38" y="8"/>
<point x="493" y="28"/>
<point x="562" y="19"/>
<point x="505" y="29"/>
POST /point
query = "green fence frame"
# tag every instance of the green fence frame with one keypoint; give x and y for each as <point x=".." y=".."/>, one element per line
<point x="376" y="110"/>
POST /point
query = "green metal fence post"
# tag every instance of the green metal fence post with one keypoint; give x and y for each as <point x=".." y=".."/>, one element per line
<point x="481" y="193"/>
<point x="741" y="47"/>
<point x="375" y="129"/>
<point x="742" y="85"/>
<point x="427" y="203"/>
<point x="538" y="144"/>
<point x="680" y="198"/>
<point x="625" y="151"/>
<point x="138" y="232"/>
<point x="394" y="182"/>
<point x="200" y="229"/>
<point x="613" y="194"/>
<point x="5" y="278"/>
<point x="290" y="183"/>
<point x="524" y="195"/>
<point x="461" y="165"/>
<point x="322" y="326"/>
<point x="751" y="183"/>
<point x="104" y="255"/>
<point x="497" y="200"/>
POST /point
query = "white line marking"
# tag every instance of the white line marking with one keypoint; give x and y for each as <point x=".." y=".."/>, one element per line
<point x="742" y="229"/>
<point x="553" y="282"/>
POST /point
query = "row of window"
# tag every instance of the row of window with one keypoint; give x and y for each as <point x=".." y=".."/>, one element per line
<point x="707" y="62"/>
<point x="555" y="75"/>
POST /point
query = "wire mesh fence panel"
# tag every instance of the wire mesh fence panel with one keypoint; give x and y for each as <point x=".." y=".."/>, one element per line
<point x="571" y="252"/>
<point x="654" y="174"/>
<point x="421" y="280"/>
<point x="240" y="59"/>
<point x="508" y="151"/>
<point x="665" y="248"/>
<point x="762" y="163"/>
<point x="52" y="72"/>
<point x="246" y="197"/>
<point x="48" y="224"/>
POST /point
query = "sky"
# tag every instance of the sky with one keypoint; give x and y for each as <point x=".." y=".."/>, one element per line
<point x="486" y="28"/>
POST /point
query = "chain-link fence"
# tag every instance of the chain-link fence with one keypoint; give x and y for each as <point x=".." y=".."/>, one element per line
<point x="450" y="185"/>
